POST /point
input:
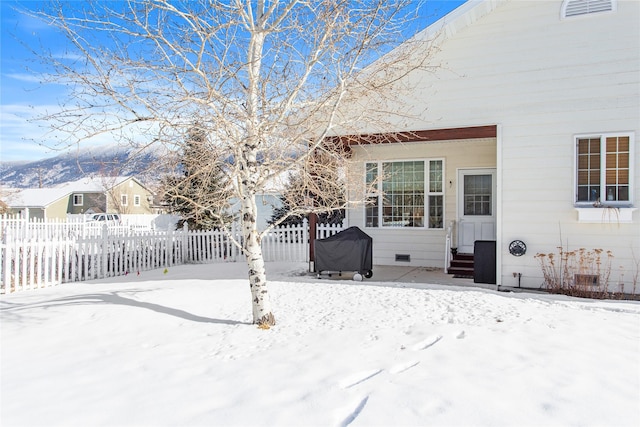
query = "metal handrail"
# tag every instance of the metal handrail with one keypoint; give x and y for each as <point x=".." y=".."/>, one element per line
<point x="447" y="246"/>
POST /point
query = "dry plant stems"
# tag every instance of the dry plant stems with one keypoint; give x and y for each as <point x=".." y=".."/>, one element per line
<point x="636" y="273"/>
<point x="266" y="82"/>
<point x="581" y="273"/>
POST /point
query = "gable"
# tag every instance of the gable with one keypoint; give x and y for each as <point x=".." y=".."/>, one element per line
<point x="519" y="63"/>
<point x="574" y="8"/>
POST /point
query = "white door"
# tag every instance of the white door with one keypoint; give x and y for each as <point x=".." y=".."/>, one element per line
<point x="476" y="207"/>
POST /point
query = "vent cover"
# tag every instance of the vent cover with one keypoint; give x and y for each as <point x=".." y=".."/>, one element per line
<point x="585" y="280"/>
<point x="403" y="257"/>
<point x="572" y="8"/>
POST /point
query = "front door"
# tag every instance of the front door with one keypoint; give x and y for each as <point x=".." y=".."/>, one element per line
<point x="476" y="207"/>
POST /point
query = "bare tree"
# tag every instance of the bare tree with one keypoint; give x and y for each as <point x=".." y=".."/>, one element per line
<point x="265" y="80"/>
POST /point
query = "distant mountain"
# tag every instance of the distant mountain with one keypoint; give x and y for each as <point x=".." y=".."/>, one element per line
<point x="145" y="166"/>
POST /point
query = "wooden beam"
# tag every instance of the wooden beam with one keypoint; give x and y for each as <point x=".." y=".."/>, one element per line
<point x="472" y="132"/>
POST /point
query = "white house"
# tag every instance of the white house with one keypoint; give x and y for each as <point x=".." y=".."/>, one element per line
<point x="526" y="134"/>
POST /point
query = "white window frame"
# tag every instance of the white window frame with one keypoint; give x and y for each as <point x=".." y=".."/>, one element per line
<point x="80" y="197"/>
<point x="427" y="194"/>
<point x="124" y="199"/>
<point x="603" y="170"/>
<point x="136" y="200"/>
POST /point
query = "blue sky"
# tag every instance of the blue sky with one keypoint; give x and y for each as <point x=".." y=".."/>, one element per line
<point x="23" y="95"/>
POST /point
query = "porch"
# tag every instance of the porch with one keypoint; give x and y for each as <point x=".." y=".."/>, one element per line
<point x="422" y="278"/>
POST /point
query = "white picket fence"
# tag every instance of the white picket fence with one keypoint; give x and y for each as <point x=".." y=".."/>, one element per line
<point x="80" y="225"/>
<point x="48" y="256"/>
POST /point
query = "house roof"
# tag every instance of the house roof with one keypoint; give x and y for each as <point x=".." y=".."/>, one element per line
<point x="458" y="19"/>
<point x="43" y="197"/>
<point x="94" y="184"/>
<point x="36" y="197"/>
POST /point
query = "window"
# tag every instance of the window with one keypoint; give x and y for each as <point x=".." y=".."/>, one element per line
<point x="401" y="192"/>
<point x="477" y="194"/>
<point x="136" y="200"/>
<point x="573" y="8"/>
<point x="603" y="169"/>
<point x="124" y="199"/>
<point x="78" y="200"/>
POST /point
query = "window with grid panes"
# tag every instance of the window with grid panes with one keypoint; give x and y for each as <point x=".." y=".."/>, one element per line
<point x="405" y="194"/>
<point x="603" y="169"/>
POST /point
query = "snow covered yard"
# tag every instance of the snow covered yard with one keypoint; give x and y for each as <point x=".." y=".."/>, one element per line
<point x="177" y="348"/>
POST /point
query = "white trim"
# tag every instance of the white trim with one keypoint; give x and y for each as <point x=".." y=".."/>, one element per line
<point x="602" y="136"/>
<point x="605" y="215"/>
<point x="460" y="172"/>
<point x="427" y="193"/>
<point x="499" y="190"/>
<point x="81" y="196"/>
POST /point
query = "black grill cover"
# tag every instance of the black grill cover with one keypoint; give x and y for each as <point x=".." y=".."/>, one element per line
<point x="349" y="250"/>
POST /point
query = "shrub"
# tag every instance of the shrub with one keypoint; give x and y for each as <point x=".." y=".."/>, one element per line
<point x="580" y="273"/>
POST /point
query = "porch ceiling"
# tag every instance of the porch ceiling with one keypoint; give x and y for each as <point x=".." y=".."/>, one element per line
<point x="472" y="132"/>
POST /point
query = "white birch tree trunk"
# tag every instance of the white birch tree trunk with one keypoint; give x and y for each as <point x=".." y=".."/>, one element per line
<point x="250" y="166"/>
<point x="261" y="304"/>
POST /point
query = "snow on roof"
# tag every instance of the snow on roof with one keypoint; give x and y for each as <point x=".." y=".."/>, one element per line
<point x="458" y="19"/>
<point x="43" y="197"/>
<point x="91" y="184"/>
<point x="36" y="197"/>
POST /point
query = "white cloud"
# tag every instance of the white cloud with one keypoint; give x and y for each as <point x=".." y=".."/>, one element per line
<point x="67" y="55"/>
<point x="24" y="77"/>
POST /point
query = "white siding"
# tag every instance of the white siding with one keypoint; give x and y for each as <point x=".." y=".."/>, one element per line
<point x="542" y="80"/>
<point x="425" y="246"/>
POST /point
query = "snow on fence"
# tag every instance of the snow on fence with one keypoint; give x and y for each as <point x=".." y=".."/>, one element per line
<point x="81" y="225"/>
<point x="51" y="255"/>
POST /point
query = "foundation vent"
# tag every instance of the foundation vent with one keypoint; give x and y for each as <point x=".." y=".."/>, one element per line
<point x="586" y="280"/>
<point x="403" y="258"/>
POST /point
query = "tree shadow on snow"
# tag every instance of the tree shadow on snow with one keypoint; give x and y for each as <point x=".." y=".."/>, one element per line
<point x="116" y="299"/>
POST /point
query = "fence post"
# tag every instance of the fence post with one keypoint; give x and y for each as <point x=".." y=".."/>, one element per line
<point x="34" y="264"/>
<point x="305" y="241"/>
<point x="6" y="258"/>
<point x="313" y="230"/>
<point x="184" y="242"/>
<point x="169" y="248"/>
<point x="102" y="269"/>
<point x="235" y="249"/>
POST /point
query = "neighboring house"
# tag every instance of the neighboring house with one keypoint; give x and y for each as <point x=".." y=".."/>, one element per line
<point x="124" y="195"/>
<point x="526" y="132"/>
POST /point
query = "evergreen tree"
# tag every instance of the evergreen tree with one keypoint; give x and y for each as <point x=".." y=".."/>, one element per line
<point x="200" y="194"/>
<point x="313" y="194"/>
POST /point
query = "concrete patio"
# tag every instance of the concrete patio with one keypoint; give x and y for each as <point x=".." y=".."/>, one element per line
<point x="420" y="277"/>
